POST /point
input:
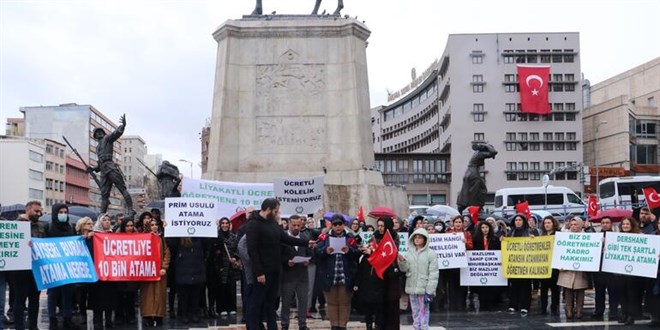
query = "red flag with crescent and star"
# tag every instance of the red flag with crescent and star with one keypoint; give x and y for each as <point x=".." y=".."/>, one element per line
<point x="592" y="204"/>
<point x="474" y="213"/>
<point x="533" y="81"/>
<point x="652" y="198"/>
<point x="384" y="254"/>
<point x="360" y="215"/>
<point x="523" y="208"/>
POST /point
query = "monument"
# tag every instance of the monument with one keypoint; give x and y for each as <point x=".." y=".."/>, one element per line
<point x="291" y="99"/>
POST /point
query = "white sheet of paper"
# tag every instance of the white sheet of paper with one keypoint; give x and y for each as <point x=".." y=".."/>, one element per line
<point x="337" y="243"/>
<point x="300" y="260"/>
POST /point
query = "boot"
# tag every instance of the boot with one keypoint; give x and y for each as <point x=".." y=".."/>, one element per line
<point x="69" y="325"/>
<point x="579" y="303"/>
<point x="52" y="323"/>
<point x="568" y="301"/>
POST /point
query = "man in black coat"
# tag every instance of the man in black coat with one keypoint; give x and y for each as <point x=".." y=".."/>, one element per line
<point x="295" y="278"/>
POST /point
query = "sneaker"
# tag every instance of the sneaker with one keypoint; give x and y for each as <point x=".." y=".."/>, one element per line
<point x="225" y="313"/>
<point x="232" y="312"/>
<point x="511" y="309"/>
<point x="523" y="312"/>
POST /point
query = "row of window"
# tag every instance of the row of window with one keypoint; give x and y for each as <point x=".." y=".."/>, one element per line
<point x="50" y="166"/>
<point x="37" y="157"/>
<point x="515" y="88"/>
<point x="555" y="77"/>
<point x="418" y="121"/>
<point x="522" y="171"/>
<point x="55" y="150"/>
<point x="55" y="185"/>
<point x="542" y="56"/>
<point x="644" y="153"/>
<point x="536" y="117"/>
<point x="414" y="178"/>
<point x="36" y="175"/>
<point x="418" y="166"/>
<point x="50" y="202"/>
<point x="643" y="129"/>
<point x="535" y="136"/>
<point x="429" y="91"/>
<point x="512" y="111"/>
<point x="416" y="142"/>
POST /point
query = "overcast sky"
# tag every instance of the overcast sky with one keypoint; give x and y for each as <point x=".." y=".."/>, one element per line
<point x="155" y="60"/>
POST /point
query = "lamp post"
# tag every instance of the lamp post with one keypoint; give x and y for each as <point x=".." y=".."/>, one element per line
<point x="191" y="166"/>
<point x="602" y="122"/>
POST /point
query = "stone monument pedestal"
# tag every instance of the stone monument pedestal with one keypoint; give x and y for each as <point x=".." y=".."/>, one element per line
<point x="291" y="99"/>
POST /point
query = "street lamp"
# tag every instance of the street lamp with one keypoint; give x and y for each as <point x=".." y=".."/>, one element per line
<point x="602" y="122"/>
<point x="191" y="166"/>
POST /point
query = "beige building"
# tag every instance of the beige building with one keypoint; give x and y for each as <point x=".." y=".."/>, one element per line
<point x="134" y="151"/>
<point x="22" y="170"/>
<point x="620" y="123"/>
<point x="55" y="173"/>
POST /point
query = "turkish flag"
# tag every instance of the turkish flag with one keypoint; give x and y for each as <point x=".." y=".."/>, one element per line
<point x="592" y="209"/>
<point x="533" y="81"/>
<point x="474" y="213"/>
<point x="360" y="215"/>
<point x="523" y="208"/>
<point x="384" y="254"/>
<point x="652" y="198"/>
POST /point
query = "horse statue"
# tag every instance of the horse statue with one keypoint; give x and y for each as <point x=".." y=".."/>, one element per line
<point x="258" y="9"/>
<point x="473" y="192"/>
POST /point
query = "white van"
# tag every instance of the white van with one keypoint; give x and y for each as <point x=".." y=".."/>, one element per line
<point x="561" y="201"/>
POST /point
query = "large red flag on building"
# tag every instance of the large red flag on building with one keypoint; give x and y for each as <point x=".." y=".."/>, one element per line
<point x="592" y="209"/>
<point x="384" y="254"/>
<point x="523" y="208"/>
<point x="652" y="198"/>
<point x="533" y="81"/>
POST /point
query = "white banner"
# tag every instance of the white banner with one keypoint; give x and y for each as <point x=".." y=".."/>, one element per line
<point x="577" y="251"/>
<point x="631" y="254"/>
<point x="299" y="196"/>
<point x="366" y="236"/>
<point x="14" y="246"/>
<point x="484" y="269"/>
<point x="191" y="217"/>
<point x="230" y="197"/>
<point x="450" y="249"/>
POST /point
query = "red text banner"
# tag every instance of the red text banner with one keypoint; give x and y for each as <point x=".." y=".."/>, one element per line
<point x="127" y="257"/>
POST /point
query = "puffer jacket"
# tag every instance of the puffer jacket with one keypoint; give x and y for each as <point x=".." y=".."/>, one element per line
<point x="421" y="267"/>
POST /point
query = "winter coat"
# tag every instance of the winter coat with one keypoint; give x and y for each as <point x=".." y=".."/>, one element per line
<point x="326" y="262"/>
<point x="190" y="261"/>
<point x="524" y="231"/>
<point x="218" y="263"/>
<point x="56" y="228"/>
<point x="420" y="266"/>
<point x="153" y="295"/>
<point x="572" y="280"/>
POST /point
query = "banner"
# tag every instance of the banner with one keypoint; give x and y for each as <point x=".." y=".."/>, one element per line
<point x="127" y="257"/>
<point x="230" y="197"/>
<point x="577" y="251"/>
<point x="484" y="269"/>
<point x="61" y="260"/>
<point x="450" y="249"/>
<point x="631" y="254"/>
<point x="533" y="82"/>
<point x="527" y="257"/>
<point x="366" y="236"/>
<point x="190" y="217"/>
<point x="14" y="245"/>
<point x="299" y="196"/>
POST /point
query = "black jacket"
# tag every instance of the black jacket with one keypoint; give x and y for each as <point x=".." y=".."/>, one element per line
<point x="299" y="271"/>
<point x="56" y="228"/>
<point x="190" y="261"/>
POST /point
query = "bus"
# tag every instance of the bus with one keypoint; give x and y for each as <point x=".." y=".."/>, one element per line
<point x="617" y="191"/>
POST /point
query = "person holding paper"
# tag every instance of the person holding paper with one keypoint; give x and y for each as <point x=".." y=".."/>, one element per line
<point x="654" y="294"/>
<point x="456" y="293"/>
<point x="549" y="226"/>
<point x="295" y="279"/>
<point x="630" y="288"/>
<point x="573" y="282"/>
<point x="520" y="290"/>
<point x="103" y="295"/>
<point x="485" y="239"/>
<point x="604" y="281"/>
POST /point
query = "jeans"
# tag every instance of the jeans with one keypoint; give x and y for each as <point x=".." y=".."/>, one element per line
<point x="65" y="293"/>
<point x="263" y="297"/>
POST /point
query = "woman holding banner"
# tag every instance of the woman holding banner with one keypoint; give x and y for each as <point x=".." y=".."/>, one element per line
<point x="485" y="239"/>
<point x="573" y="282"/>
<point x="520" y="289"/>
<point x="455" y="292"/>
<point x="153" y="295"/>
<point x="549" y="226"/>
<point x="102" y="294"/>
<point x="630" y="287"/>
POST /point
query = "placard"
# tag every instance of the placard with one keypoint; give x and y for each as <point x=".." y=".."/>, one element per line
<point x="230" y="197"/>
<point x="631" y="254"/>
<point x="450" y="250"/>
<point x="299" y="196"/>
<point x="577" y="251"/>
<point x="484" y="269"/>
<point x="58" y="261"/>
<point x="127" y="257"/>
<point x="527" y="257"/>
<point x="14" y="245"/>
<point x="190" y="217"/>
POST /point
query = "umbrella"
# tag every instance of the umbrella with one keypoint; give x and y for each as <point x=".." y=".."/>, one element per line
<point x="13" y="208"/>
<point x="444" y="211"/>
<point x="237" y="220"/>
<point x="156" y="204"/>
<point x="615" y="214"/>
<point x="328" y="215"/>
<point x="381" y="211"/>
<point x="82" y="211"/>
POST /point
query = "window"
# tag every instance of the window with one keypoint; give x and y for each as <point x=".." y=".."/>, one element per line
<point x="477" y="88"/>
<point x="547" y="166"/>
<point x="644" y="154"/>
<point x="478" y="111"/>
<point x="547" y="136"/>
<point x="570" y="117"/>
<point x="524" y="175"/>
<point x="510" y="88"/>
<point x="570" y="106"/>
<point x="571" y="146"/>
<point x="49" y="148"/>
<point x="479" y="136"/>
<point x="569" y="77"/>
<point x="507" y="55"/>
<point x="568" y="58"/>
<point x="37" y="157"/>
<point x="651" y="102"/>
<point x="535" y="146"/>
<point x="548" y="146"/>
<point x="477" y="78"/>
<point x="559" y="146"/>
<point x="559" y="116"/>
<point x="520" y="58"/>
<point x="510" y="117"/>
<point x="49" y="184"/>
<point x="571" y="136"/>
<point x="36" y="194"/>
<point x="569" y="87"/>
<point x="510" y="146"/>
<point x="556" y="58"/>
<point x="510" y="171"/>
<point x="559" y="136"/>
<point x="558" y="106"/>
<point x="49" y="166"/>
<point x="510" y="136"/>
<point x="477" y="59"/>
<point x="510" y="78"/>
<point x="645" y="129"/>
<point x="534" y="136"/>
<point x="545" y="58"/>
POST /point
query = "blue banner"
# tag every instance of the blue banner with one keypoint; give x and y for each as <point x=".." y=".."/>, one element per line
<point x="61" y="260"/>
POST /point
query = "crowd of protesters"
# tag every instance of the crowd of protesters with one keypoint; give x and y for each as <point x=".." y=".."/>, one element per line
<point x="319" y="265"/>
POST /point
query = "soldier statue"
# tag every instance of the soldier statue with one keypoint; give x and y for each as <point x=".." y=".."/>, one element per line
<point x="168" y="177"/>
<point x="473" y="192"/>
<point x="111" y="174"/>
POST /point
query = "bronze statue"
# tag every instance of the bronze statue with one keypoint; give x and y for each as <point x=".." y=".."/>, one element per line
<point x="168" y="180"/>
<point x="473" y="192"/>
<point x="111" y="174"/>
<point x="258" y="9"/>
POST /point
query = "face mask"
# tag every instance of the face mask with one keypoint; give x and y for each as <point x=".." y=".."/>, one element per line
<point x="62" y="217"/>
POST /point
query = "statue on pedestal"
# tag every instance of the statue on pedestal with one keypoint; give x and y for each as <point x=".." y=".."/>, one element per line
<point x="258" y="9"/>
<point x="473" y="192"/>
<point x="168" y="180"/>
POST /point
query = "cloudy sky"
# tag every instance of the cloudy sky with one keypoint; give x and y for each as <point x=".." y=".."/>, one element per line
<point x="155" y="59"/>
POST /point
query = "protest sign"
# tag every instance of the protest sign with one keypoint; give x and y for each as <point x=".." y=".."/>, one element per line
<point x="631" y="254"/>
<point x="230" y="197"/>
<point x="61" y="260"/>
<point x="484" y="269"/>
<point x="14" y="248"/>
<point x="190" y="217"/>
<point x="366" y="236"/>
<point x="527" y="257"/>
<point x="127" y="257"/>
<point x="450" y="249"/>
<point x="299" y="196"/>
<point x="577" y="251"/>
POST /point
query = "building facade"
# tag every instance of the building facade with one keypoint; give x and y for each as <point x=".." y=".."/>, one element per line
<point x="134" y="150"/>
<point x="471" y="94"/>
<point x="22" y="170"/>
<point x="54" y="173"/>
<point x="621" y="123"/>
<point x="77" y="182"/>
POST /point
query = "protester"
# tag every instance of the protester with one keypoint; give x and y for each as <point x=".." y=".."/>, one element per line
<point x="125" y="310"/>
<point x="654" y="296"/>
<point x="153" y="294"/>
<point x="142" y="224"/>
<point x="189" y="255"/>
<point x="549" y="226"/>
<point x="84" y="227"/>
<point x="339" y="270"/>
<point x="295" y="279"/>
<point x="604" y="281"/>
<point x="103" y="295"/>
<point x="573" y="282"/>
<point x="485" y="239"/>
<point x="648" y="221"/>
<point x="421" y="267"/>
<point x="155" y="214"/>
<point x="224" y="272"/>
<point x="314" y="291"/>
<point x="60" y="227"/>
<point x="417" y="222"/>
<point x="355" y="226"/>
<point x="456" y="293"/>
<point x="630" y="288"/>
<point x="520" y="290"/>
